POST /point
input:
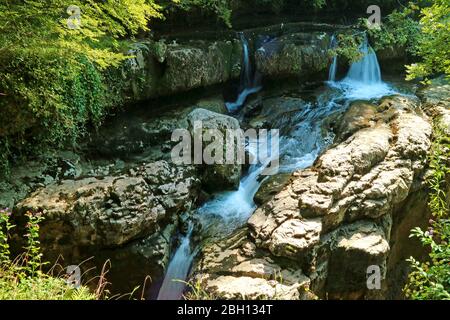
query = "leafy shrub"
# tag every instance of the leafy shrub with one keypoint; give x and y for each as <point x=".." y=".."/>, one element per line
<point x="53" y="78"/>
<point x="431" y="280"/>
<point x="22" y="278"/>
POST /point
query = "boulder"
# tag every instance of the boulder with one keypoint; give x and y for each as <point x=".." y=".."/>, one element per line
<point x="218" y="176"/>
<point x="143" y="131"/>
<point x="128" y="217"/>
<point x="294" y="55"/>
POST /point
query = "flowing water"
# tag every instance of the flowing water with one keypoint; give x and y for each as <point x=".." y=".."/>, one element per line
<point x="334" y="64"/>
<point x="363" y="80"/>
<point x="178" y="269"/>
<point x="300" y="146"/>
<point x="248" y="84"/>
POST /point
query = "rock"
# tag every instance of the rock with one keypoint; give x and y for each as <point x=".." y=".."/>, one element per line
<point x="135" y="133"/>
<point x="88" y="216"/>
<point x="42" y="171"/>
<point x="294" y="55"/>
<point x="294" y="237"/>
<point x="247" y="288"/>
<point x="199" y="65"/>
<point x="236" y="271"/>
<point x="360" y="114"/>
<point x="333" y="221"/>
<point x="436" y="101"/>
<point x="170" y="68"/>
<point x="436" y="94"/>
<point x="270" y="187"/>
<point x="218" y="176"/>
<point x="357" y="247"/>
<point x="393" y="59"/>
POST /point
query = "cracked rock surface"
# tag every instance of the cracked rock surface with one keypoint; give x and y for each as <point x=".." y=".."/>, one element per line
<point x="334" y="220"/>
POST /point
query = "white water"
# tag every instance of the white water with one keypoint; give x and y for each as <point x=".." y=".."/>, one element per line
<point x="242" y="97"/>
<point x="363" y="80"/>
<point x="248" y="85"/>
<point x="333" y="67"/>
<point x="172" y="289"/>
<point x="228" y="211"/>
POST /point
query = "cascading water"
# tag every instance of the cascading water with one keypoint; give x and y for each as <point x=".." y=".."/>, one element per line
<point x="230" y="210"/>
<point x="333" y="67"/>
<point x="363" y="80"/>
<point x="366" y="70"/>
<point x="178" y="269"/>
<point x="248" y="84"/>
<point x="299" y="148"/>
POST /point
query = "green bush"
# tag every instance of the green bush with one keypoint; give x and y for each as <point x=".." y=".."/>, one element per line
<point x="54" y="77"/>
<point x="23" y="278"/>
<point x="430" y="280"/>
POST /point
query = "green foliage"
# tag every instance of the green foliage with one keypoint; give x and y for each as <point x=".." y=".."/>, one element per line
<point x="434" y="42"/>
<point x="33" y="251"/>
<point x="221" y="8"/>
<point x="54" y="75"/>
<point x="22" y="278"/>
<point x="399" y="29"/>
<point x="42" y="287"/>
<point x="431" y="280"/>
<point x="197" y="291"/>
<point x="5" y="227"/>
<point x="349" y="45"/>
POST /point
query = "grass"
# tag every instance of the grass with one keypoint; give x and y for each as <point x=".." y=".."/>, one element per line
<point x="23" y="279"/>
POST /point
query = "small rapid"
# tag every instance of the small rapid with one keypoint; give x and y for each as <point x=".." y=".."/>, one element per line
<point x="248" y="83"/>
<point x="363" y="80"/>
<point x="178" y="269"/>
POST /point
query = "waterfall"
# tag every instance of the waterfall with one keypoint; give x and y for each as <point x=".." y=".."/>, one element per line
<point x="248" y="84"/>
<point x="230" y="210"/>
<point x="333" y="67"/>
<point x="173" y="287"/>
<point x="247" y="68"/>
<point x="363" y="80"/>
<point x="366" y="70"/>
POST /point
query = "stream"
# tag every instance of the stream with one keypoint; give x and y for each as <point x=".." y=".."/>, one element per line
<point x="300" y="145"/>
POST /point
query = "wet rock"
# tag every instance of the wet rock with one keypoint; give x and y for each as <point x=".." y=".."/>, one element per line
<point x="334" y="220"/>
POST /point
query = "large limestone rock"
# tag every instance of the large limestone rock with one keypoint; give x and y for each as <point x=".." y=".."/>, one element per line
<point x="220" y="175"/>
<point x="113" y="210"/>
<point x="294" y="55"/>
<point x="128" y="217"/>
<point x="238" y="270"/>
<point x="143" y="131"/>
<point x="163" y="68"/>
<point x="333" y="221"/>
